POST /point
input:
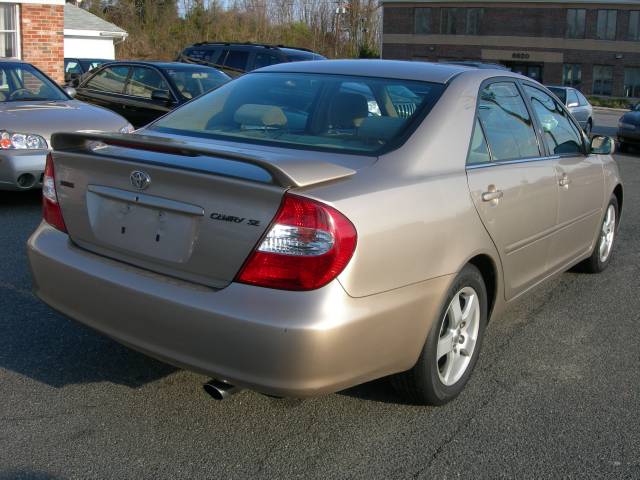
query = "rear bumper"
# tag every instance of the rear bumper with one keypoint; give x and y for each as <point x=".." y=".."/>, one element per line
<point x="282" y="343"/>
<point x="16" y="163"/>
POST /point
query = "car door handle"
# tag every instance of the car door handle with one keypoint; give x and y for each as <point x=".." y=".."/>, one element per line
<point x="493" y="195"/>
<point x="564" y="181"/>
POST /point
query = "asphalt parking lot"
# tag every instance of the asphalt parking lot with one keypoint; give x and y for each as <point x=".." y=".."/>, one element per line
<point x="556" y="392"/>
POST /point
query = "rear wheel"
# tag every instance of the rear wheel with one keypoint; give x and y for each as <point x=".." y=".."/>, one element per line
<point x="453" y="344"/>
<point x="601" y="256"/>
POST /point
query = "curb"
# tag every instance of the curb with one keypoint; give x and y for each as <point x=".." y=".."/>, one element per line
<point x="606" y="109"/>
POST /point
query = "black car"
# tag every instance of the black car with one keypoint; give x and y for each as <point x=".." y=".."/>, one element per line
<point x="76" y="68"/>
<point x="238" y="58"/>
<point x="629" y="128"/>
<point x="144" y="91"/>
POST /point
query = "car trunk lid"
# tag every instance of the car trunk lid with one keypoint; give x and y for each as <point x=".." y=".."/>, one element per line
<point x="194" y="213"/>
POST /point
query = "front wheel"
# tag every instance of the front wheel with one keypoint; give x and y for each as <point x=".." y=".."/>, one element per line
<point x="452" y="346"/>
<point x="601" y="255"/>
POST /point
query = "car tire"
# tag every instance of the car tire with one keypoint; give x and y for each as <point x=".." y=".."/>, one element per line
<point x="438" y="378"/>
<point x="603" y="251"/>
<point x="622" y="147"/>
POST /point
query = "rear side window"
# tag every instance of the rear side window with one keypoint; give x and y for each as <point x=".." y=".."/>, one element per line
<point x="479" y="152"/>
<point x="561" y="135"/>
<point x="71" y="66"/>
<point x="572" y="98"/>
<point x="582" y="99"/>
<point x="264" y="59"/>
<point x="506" y="122"/>
<point x="237" y="59"/>
<point x="111" y="79"/>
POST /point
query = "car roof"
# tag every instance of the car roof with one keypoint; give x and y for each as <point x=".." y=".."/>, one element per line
<point x="158" y="64"/>
<point x="400" y="69"/>
<point x="250" y="45"/>
<point x="562" y="87"/>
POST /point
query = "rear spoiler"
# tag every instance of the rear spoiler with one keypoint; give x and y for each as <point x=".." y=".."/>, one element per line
<point x="285" y="172"/>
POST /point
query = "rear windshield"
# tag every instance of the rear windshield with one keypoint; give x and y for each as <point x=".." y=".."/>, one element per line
<point x="193" y="82"/>
<point x="309" y="111"/>
<point x="561" y="93"/>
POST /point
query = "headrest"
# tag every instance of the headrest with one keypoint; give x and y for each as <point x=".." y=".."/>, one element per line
<point x="256" y="115"/>
<point x="348" y="110"/>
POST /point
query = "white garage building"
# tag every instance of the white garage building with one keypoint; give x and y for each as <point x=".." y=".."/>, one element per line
<point x="89" y="36"/>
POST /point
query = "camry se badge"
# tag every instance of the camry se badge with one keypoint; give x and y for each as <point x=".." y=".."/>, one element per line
<point x="140" y="180"/>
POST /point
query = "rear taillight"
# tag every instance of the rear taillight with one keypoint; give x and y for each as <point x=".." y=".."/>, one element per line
<point x="307" y="246"/>
<point x="50" y="207"/>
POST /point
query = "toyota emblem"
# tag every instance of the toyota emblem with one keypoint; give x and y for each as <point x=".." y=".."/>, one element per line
<point x="140" y="180"/>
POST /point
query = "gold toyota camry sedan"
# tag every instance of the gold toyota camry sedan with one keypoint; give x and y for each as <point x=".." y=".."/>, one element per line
<point x="311" y="226"/>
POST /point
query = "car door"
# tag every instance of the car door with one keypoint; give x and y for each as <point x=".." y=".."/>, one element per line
<point x="580" y="178"/>
<point x="512" y="184"/>
<point x="144" y="87"/>
<point x="106" y="88"/>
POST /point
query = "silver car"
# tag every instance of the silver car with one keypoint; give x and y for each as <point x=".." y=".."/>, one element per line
<point x="578" y="106"/>
<point x="32" y="107"/>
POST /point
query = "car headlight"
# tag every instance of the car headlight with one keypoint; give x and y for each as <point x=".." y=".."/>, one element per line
<point x="21" y="141"/>
<point x="128" y="128"/>
<point x="626" y="126"/>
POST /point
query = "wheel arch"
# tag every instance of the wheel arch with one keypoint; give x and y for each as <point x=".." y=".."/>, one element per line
<point x="489" y="271"/>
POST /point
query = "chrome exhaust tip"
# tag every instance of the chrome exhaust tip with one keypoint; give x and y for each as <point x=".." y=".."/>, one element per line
<point x="220" y="390"/>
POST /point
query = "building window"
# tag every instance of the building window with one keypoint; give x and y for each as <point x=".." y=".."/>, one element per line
<point x="572" y="74"/>
<point x="422" y="21"/>
<point x="606" y="27"/>
<point x="474" y="20"/>
<point x="632" y="82"/>
<point x="575" y="22"/>
<point x="634" y="25"/>
<point x="9" y="30"/>
<point x="602" y="79"/>
<point x="449" y="21"/>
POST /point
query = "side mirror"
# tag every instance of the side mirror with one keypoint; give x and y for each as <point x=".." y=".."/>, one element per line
<point x="70" y="91"/>
<point x="161" y="96"/>
<point x="601" y="145"/>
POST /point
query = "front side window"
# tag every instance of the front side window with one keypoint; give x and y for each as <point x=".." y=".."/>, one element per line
<point x="22" y="82"/>
<point x="602" y="79"/>
<point x="506" y="123"/>
<point x="422" y="21"/>
<point x="145" y="81"/>
<point x="560" y="134"/>
<point x="110" y="79"/>
<point x="572" y="99"/>
<point x="572" y="74"/>
<point x="606" y="26"/>
<point x="8" y="30"/>
<point x="634" y="25"/>
<point x="575" y="22"/>
<point x="308" y="111"/>
<point x="632" y="82"/>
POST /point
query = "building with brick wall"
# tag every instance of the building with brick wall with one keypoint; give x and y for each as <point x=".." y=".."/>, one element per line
<point x="593" y="45"/>
<point x="33" y="30"/>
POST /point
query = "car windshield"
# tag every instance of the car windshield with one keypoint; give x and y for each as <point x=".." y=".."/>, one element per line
<point x="309" y="111"/>
<point x="22" y="82"/>
<point x="561" y="93"/>
<point x="193" y="82"/>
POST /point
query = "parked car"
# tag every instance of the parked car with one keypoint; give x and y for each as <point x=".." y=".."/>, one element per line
<point x="76" y="68"/>
<point x="629" y="128"/>
<point x="577" y="104"/>
<point x="143" y="91"/>
<point x="32" y="106"/>
<point x="238" y="58"/>
<point x="280" y="235"/>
